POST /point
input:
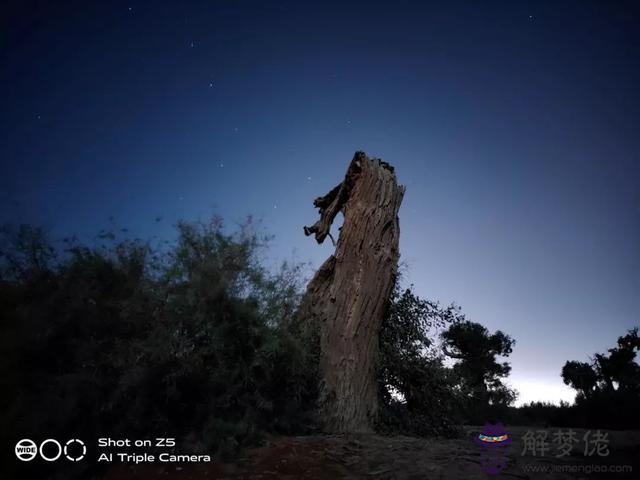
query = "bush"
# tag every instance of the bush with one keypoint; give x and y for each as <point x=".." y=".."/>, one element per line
<point x="417" y="392"/>
<point x="197" y="342"/>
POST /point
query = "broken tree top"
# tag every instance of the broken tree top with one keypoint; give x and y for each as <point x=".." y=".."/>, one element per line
<point x="335" y="201"/>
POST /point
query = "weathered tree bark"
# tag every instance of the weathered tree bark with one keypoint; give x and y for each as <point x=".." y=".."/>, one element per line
<point x="348" y="296"/>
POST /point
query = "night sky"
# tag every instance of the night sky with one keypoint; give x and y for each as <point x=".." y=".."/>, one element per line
<point x="514" y="126"/>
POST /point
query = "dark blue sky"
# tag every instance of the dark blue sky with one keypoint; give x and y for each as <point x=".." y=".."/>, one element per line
<point x="514" y="126"/>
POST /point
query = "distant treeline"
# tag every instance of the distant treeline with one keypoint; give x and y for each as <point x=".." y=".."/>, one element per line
<point x="608" y="392"/>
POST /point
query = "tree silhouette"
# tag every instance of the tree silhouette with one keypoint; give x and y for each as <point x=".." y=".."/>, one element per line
<point x="616" y="370"/>
<point x="478" y="369"/>
<point x="580" y="376"/>
<point x="621" y="362"/>
<point x="608" y="387"/>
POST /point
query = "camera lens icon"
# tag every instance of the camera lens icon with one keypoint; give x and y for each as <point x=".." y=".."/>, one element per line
<point x="26" y="450"/>
<point x="79" y="443"/>
<point x="54" y="457"/>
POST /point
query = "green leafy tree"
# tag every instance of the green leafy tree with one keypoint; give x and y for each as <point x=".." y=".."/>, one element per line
<point x="416" y="389"/>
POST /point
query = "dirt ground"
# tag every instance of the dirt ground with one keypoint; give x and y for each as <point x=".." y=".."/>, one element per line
<point x="404" y="458"/>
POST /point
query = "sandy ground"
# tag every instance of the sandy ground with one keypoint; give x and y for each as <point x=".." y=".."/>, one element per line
<point x="405" y="458"/>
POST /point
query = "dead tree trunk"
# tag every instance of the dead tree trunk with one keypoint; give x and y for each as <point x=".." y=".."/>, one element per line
<point x="348" y="296"/>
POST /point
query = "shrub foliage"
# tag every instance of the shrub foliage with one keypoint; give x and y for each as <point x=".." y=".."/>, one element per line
<point x="198" y="340"/>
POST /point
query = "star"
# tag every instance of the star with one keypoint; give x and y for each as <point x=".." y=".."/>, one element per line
<point x="210" y="84"/>
<point x="308" y="178"/>
<point x="531" y="17"/>
<point x="191" y="45"/>
<point x="221" y="165"/>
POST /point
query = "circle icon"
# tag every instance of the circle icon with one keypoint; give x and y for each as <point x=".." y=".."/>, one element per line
<point x="26" y="450"/>
<point x="50" y="459"/>
<point x="66" y="450"/>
